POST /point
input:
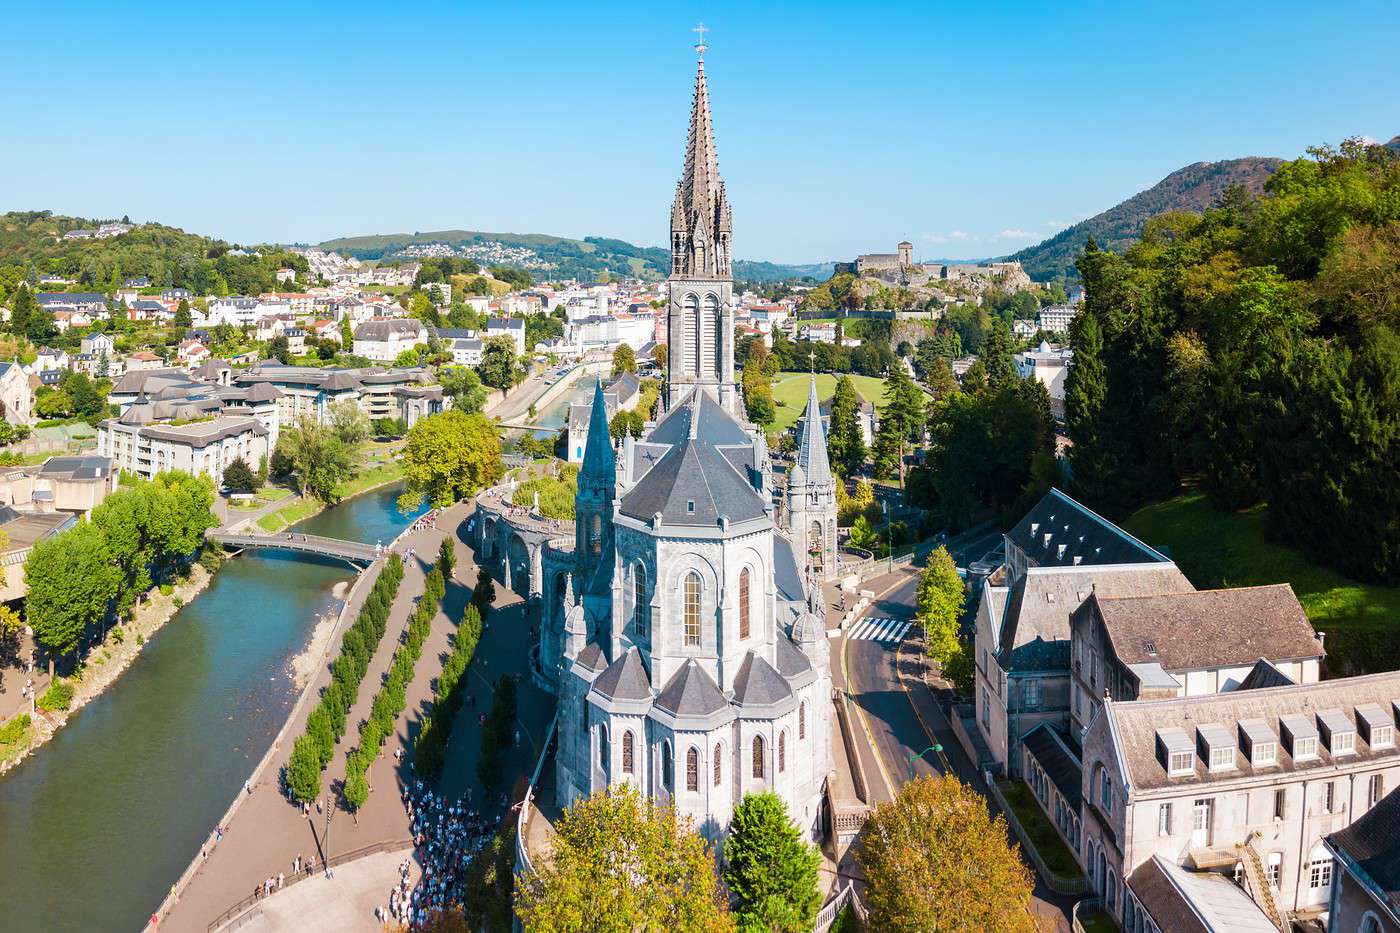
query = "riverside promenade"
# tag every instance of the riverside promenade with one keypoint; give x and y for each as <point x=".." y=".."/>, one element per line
<point x="266" y="831"/>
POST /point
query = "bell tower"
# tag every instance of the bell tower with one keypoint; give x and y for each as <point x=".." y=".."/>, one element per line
<point x="700" y="313"/>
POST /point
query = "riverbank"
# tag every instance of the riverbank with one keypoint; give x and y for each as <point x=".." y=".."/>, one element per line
<point x="301" y="508"/>
<point x="107" y="661"/>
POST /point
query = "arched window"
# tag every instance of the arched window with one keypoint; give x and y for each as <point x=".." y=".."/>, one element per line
<point x="627" y="752"/>
<point x="1370" y="923"/>
<point x="744" y="603"/>
<point x="815" y="547"/>
<point x="690" y="332"/>
<point x="758" y="756"/>
<point x="712" y="363"/>
<point x="603" y="746"/>
<point x="782" y="752"/>
<point x="719" y="757"/>
<point x="802" y="720"/>
<point x="666" y="765"/>
<point x="692" y="608"/>
<point x="692" y="769"/>
<point x="595" y="535"/>
<point x="641" y="611"/>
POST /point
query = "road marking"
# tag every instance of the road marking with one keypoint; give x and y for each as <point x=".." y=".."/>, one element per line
<point x="889" y="631"/>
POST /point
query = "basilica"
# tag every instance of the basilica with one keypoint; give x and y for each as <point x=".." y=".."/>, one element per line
<point x="682" y="628"/>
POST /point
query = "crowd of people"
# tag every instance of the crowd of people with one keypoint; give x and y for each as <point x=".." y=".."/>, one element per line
<point x="446" y="834"/>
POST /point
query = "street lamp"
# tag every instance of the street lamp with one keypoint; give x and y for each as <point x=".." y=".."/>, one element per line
<point x="913" y="758"/>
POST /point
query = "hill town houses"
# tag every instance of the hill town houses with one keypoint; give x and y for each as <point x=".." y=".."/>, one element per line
<point x="1180" y="741"/>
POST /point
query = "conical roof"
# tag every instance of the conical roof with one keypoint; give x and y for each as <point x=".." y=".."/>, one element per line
<point x="811" y="452"/>
<point x="598" y="459"/>
<point x="701" y="209"/>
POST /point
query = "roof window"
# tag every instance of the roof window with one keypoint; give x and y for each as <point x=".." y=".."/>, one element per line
<point x="1338" y="731"/>
<point x="1175" y="753"/>
<point x="1376" y="725"/>
<point x="1300" y="736"/>
<point x="1259" y="743"/>
<point x="690" y="506"/>
<point x="1217" y="746"/>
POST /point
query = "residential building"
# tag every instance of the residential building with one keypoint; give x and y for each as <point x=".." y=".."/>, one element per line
<point x="307" y="391"/>
<point x="1050" y="365"/>
<point x="383" y="341"/>
<point x="143" y="360"/>
<point x="16" y="396"/>
<point x="1055" y="319"/>
<point x="94" y="303"/>
<point x="74" y="485"/>
<point x="205" y="446"/>
<point x="97" y="344"/>
<point x="512" y="328"/>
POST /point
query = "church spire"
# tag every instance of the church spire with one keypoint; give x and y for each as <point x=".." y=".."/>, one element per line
<point x="811" y="455"/>
<point x="701" y="224"/>
<point x="598" y="459"/>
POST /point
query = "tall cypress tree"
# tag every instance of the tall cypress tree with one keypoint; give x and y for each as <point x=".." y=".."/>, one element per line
<point x="769" y="868"/>
<point x="1086" y="387"/>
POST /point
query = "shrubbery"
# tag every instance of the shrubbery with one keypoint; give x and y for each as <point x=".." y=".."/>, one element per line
<point x="389" y="702"/>
<point x="58" y="697"/>
<point x="12" y="731"/>
<point x="431" y="749"/>
<point x="326" y="723"/>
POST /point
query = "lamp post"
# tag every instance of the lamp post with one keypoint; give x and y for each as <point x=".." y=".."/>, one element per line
<point x="913" y="758"/>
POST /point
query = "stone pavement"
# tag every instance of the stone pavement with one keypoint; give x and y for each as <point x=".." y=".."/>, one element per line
<point x="345" y="901"/>
<point x="268" y="831"/>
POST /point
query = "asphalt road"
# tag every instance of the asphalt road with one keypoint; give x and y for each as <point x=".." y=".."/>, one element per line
<point x="901" y="716"/>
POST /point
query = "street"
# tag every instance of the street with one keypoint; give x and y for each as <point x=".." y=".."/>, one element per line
<point x="899" y="714"/>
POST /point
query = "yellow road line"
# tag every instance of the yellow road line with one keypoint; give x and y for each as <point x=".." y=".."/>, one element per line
<point x="846" y="675"/>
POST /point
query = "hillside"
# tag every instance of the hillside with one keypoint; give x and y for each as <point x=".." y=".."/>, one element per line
<point x="552" y="257"/>
<point x="1192" y="188"/>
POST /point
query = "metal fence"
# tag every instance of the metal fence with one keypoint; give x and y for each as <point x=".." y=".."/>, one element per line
<point x="846" y="897"/>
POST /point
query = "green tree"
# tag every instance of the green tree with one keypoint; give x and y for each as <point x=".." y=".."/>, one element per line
<point x="302" y="773"/>
<point x="624" y="360"/>
<point x="1086" y="386"/>
<point x="769" y="869"/>
<point x="936" y="860"/>
<point x="940" y="604"/>
<point x="347" y="335"/>
<point x="279" y="349"/>
<point x="621" y="862"/>
<point x="184" y="319"/>
<point x="239" y="477"/>
<point x="464" y="387"/>
<point x="448" y="457"/>
<point x="998" y="355"/>
<point x="499" y="368"/>
<point x="845" y="444"/>
<point x="70" y="580"/>
<point x="320" y="461"/>
<point x="23" y="306"/>
<point x="349" y="422"/>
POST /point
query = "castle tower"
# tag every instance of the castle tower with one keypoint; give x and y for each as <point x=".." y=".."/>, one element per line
<point x="811" y="495"/>
<point x="593" y="505"/>
<point x="700" y="330"/>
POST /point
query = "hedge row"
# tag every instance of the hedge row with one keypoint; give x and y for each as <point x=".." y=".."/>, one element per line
<point x="498" y="734"/>
<point x="326" y="723"/>
<point x="431" y="750"/>
<point x="389" y="702"/>
<point x="12" y="731"/>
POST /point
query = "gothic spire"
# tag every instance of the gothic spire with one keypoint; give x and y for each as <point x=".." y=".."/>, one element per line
<point x="598" y="460"/>
<point x="700" y="217"/>
<point x="811" y="455"/>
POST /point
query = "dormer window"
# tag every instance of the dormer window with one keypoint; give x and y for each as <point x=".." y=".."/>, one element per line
<point x="1175" y="752"/>
<point x="1300" y="735"/>
<point x="1217" y="746"/>
<point x="1259" y="743"/>
<point x="1376" y="726"/>
<point x="1338" y="731"/>
<point x="690" y="506"/>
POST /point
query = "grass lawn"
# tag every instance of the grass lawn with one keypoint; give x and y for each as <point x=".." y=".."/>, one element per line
<point x="12" y="750"/>
<point x="1047" y="842"/>
<point x="1224" y="549"/>
<point x="1098" y="923"/>
<point x="790" y="392"/>
<point x="369" y="478"/>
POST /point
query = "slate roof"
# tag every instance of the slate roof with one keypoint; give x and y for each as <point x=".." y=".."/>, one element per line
<point x="691" y="692"/>
<point x="206" y="432"/>
<point x="791" y="661"/>
<point x="386" y="330"/>
<point x="1087" y="538"/>
<point x="1369" y="846"/>
<point x="625" y="679"/>
<point x="1264" y="674"/>
<point x="785" y="570"/>
<point x="592" y="657"/>
<point x="758" y="684"/>
<point x="1060" y="764"/>
<point x="1206" y="628"/>
<point x="693" y="485"/>
<point x="716" y="426"/>
<point x="77" y="468"/>
<point x="811" y="449"/>
<point x="1184" y="901"/>
<point x="1040" y="602"/>
<point x="1134" y="726"/>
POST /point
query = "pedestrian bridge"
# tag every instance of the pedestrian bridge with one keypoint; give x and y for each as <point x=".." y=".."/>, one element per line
<point x="354" y="551"/>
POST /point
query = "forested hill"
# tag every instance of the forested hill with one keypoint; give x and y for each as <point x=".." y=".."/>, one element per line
<point x="556" y="257"/>
<point x="1193" y="188"/>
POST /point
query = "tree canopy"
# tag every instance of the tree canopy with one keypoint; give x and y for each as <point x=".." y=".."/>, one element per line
<point x="935" y="859"/>
<point x="449" y="456"/>
<point x="621" y="862"/>
<point x="769" y="868"/>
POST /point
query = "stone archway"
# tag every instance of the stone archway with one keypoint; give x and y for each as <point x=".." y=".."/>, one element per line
<point x="518" y="556"/>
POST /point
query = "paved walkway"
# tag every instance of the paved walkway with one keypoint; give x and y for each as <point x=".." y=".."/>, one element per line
<point x="268" y="832"/>
<point x="343" y="902"/>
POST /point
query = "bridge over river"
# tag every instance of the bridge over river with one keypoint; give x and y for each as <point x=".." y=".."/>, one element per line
<point x="355" y="552"/>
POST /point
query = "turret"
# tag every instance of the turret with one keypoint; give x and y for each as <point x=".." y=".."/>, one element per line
<point x="597" y="482"/>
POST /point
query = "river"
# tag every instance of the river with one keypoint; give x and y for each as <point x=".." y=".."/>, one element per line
<point x="96" y="825"/>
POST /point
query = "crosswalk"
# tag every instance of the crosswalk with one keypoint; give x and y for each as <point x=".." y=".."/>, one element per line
<point x="889" y="631"/>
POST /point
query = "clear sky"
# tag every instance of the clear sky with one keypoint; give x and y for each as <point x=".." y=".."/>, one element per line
<point x="971" y="129"/>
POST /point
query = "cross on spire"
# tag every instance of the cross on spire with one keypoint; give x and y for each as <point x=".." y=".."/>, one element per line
<point x="700" y="46"/>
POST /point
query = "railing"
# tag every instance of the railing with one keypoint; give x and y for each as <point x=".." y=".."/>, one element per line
<point x="231" y="919"/>
<point x="522" y="851"/>
<point x="1058" y="883"/>
<point x="1084" y="908"/>
<point x="826" y="917"/>
<point x="306" y="544"/>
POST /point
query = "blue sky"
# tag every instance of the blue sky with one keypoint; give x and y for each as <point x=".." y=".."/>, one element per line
<point x="971" y="129"/>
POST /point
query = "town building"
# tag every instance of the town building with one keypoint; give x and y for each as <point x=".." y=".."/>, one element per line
<point x="16" y="396"/>
<point x="512" y="328"/>
<point x="1055" y="319"/>
<point x="1050" y="365"/>
<point x="621" y="394"/>
<point x="71" y="485"/>
<point x="185" y="438"/>
<point x="1366" y="873"/>
<point x="383" y="341"/>
<point x="688" y="654"/>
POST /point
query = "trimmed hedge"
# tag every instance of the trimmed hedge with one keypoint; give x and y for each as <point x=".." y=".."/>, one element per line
<point x="326" y="723"/>
<point x="389" y="702"/>
<point x="430" y="752"/>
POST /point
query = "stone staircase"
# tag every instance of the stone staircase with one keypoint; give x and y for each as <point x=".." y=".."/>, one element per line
<point x="1256" y="883"/>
